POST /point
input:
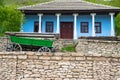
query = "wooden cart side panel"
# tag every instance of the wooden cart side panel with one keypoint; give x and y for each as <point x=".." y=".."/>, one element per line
<point x="31" y="42"/>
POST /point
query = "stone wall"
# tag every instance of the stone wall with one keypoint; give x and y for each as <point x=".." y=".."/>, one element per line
<point x="3" y="42"/>
<point x="58" y="66"/>
<point x="58" y="44"/>
<point x="98" y="47"/>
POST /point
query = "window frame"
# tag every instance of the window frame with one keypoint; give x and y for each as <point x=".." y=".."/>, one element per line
<point x="82" y="30"/>
<point x="36" y="22"/>
<point x="98" y="27"/>
<point x="48" y="31"/>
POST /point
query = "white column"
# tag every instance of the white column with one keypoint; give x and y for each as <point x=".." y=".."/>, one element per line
<point x="93" y="23"/>
<point x="112" y="24"/>
<point x="75" y="26"/>
<point x="40" y="20"/>
<point x="58" y="23"/>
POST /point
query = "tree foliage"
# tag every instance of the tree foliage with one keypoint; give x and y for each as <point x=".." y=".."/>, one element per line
<point x="117" y="24"/>
<point x="1" y="2"/>
<point x="115" y="3"/>
<point x="10" y="19"/>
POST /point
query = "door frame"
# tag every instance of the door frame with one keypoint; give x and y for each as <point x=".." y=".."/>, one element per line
<point x="72" y="26"/>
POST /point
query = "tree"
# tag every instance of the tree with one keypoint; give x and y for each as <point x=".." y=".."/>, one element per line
<point x="115" y="3"/>
<point x="1" y="2"/>
<point x="117" y="24"/>
<point x="10" y="19"/>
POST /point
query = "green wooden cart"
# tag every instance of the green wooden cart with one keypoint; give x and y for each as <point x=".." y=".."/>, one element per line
<point x="23" y="43"/>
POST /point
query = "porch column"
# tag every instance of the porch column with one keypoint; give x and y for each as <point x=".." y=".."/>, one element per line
<point x="40" y="20"/>
<point x="58" y="23"/>
<point x="93" y="24"/>
<point x="112" y="24"/>
<point x="75" y="26"/>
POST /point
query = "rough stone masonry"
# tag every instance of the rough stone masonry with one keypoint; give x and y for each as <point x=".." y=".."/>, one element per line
<point x="58" y="66"/>
<point x="98" y="47"/>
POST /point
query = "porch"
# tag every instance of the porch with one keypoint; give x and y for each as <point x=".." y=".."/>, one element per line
<point x="70" y="26"/>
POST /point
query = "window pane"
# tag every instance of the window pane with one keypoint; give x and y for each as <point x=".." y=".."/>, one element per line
<point x="84" y="27"/>
<point x="36" y="26"/>
<point x="49" y="26"/>
<point x="98" y="27"/>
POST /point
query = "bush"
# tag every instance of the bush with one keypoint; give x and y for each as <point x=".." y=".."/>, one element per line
<point x="68" y="48"/>
<point x="117" y="21"/>
<point x="10" y="19"/>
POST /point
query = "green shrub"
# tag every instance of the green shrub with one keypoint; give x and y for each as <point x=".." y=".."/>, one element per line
<point x="11" y="19"/>
<point x="68" y="48"/>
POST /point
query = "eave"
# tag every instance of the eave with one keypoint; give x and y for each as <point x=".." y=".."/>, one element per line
<point x="98" y="11"/>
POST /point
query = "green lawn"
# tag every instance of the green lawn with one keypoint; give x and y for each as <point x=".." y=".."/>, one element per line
<point x="68" y="48"/>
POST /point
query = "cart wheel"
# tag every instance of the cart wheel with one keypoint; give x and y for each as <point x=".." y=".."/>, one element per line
<point x="44" y="49"/>
<point x="13" y="47"/>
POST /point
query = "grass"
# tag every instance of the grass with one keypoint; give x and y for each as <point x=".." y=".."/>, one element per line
<point x="68" y="48"/>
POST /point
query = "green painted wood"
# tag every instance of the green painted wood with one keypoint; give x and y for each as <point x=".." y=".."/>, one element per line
<point x="31" y="41"/>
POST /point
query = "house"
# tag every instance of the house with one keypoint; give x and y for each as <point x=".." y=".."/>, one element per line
<point x="70" y="19"/>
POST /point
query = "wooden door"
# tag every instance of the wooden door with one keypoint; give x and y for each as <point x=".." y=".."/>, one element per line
<point x="66" y="30"/>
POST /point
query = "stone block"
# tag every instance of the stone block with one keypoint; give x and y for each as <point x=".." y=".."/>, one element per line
<point x="99" y="58"/>
<point x="76" y="70"/>
<point x="77" y="54"/>
<point x="27" y="79"/>
<point x="22" y="56"/>
<point x="32" y="57"/>
<point x="69" y="76"/>
<point x="56" y="58"/>
<point x="66" y="54"/>
<point x="80" y="58"/>
<point x="38" y="79"/>
<point x="46" y="67"/>
<point x="9" y="56"/>
<point x="58" y="54"/>
<point x="89" y="58"/>
<point x="35" y="75"/>
<point x="44" y="58"/>
<point x="113" y="70"/>
<point x="30" y="53"/>
<point x="68" y="58"/>
<point x="58" y="79"/>
<point x="47" y="54"/>
<point x="115" y="59"/>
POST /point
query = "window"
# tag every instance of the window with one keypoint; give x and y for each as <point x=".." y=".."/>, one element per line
<point x="36" y="26"/>
<point x="97" y="27"/>
<point x="84" y="27"/>
<point x="49" y="26"/>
